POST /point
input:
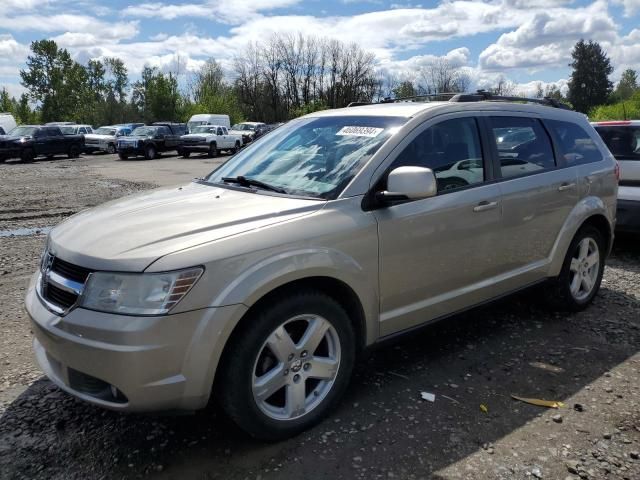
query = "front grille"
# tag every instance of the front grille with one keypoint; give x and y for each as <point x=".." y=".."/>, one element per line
<point x="60" y="297"/>
<point x="52" y="290"/>
<point x="70" y="271"/>
<point x="91" y="141"/>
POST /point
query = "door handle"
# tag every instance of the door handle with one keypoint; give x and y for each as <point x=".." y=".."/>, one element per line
<point x="566" y="186"/>
<point x="485" y="205"/>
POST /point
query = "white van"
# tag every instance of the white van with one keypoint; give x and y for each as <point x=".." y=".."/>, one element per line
<point x="7" y="123"/>
<point x="208" y="119"/>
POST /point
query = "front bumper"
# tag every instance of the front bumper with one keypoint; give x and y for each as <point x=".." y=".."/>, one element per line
<point x="131" y="363"/>
<point x="628" y="216"/>
<point x="131" y="150"/>
<point x="195" y="147"/>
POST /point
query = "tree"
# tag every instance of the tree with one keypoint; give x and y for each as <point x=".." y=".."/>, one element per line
<point x="589" y="84"/>
<point x="55" y="80"/>
<point x="504" y="87"/>
<point x="441" y="76"/>
<point x="7" y="104"/>
<point x="156" y="95"/>
<point x="627" y="86"/>
<point x="404" y="89"/>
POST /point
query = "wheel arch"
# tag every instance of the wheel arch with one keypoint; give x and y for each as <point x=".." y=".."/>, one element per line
<point x="337" y="289"/>
<point x="589" y="211"/>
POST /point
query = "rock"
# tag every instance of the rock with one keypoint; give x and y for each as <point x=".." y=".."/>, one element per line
<point x="634" y="455"/>
<point x="557" y="418"/>
<point x="572" y="466"/>
<point x="606" y="436"/>
<point x="536" y="472"/>
<point x="578" y="407"/>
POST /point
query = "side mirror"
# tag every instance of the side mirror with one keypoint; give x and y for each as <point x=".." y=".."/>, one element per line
<point x="409" y="183"/>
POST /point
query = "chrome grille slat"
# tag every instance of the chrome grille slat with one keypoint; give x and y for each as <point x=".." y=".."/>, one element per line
<point x="61" y="284"/>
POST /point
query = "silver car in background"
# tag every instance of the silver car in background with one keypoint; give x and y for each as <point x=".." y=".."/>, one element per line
<point x="262" y="283"/>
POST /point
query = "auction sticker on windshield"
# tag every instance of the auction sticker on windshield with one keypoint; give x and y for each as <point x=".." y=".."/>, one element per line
<point x="360" y="131"/>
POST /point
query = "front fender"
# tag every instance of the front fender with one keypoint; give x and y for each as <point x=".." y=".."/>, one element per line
<point x="286" y="267"/>
<point x="585" y="208"/>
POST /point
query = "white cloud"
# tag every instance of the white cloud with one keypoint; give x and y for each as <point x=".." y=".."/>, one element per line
<point x="631" y="7"/>
<point x="546" y="39"/>
<point x="225" y="11"/>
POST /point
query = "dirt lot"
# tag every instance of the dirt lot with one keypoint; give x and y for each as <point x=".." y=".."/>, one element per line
<point x="590" y="361"/>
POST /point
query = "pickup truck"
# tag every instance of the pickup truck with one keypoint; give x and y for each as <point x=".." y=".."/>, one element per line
<point x="105" y="138"/>
<point x="150" y="140"/>
<point x="30" y="141"/>
<point x="210" y="139"/>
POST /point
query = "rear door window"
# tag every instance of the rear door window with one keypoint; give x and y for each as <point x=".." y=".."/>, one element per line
<point x="623" y="141"/>
<point x="523" y="146"/>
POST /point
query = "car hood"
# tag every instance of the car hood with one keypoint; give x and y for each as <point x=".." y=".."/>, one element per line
<point x="131" y="233"/>
<point x="249" y="133"/>
<point x="11" y="138"/>
<point x="136" y="137"/>
<point x="95" y="136"/>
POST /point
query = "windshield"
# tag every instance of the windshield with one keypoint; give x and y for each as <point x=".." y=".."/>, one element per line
<point x="204" y="129"/>
<point x="622" y="141"/>
<point x="22" y="131"/>
<point x="68" y="130"/>
<point x="314" y="157"/>
<point x="243" y="126"/>
<point x="195" y="123"/>
<point x="144" y="131"/>
<point x="105" y="131"/>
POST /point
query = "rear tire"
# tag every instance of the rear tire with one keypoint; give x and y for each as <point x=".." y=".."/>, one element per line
<point x="186" y="153"/>
<point x="27" y="155"/>
<point x="303" y="345"/>
<point x="150" y="152"/>
<point x="123" y="156"/>
<point x="581" y="274"/>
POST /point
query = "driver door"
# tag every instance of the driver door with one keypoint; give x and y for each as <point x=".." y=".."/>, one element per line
<point x="438" y="255"/>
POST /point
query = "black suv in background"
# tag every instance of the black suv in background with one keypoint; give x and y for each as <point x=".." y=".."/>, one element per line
<point x="30" y="141"/>
<point x="150" y="140"/>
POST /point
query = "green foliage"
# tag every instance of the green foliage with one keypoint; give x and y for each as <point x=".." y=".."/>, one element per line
<point x="156" y="96"/>
<point x="624" y="110"/>
<point x="589" y="84"/>
<point x="310" y="107"/>
<point x="405" y="89"/>
<point x="627" y="86"/>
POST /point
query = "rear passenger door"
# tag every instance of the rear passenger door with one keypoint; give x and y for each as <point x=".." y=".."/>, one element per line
<point x="538" y="193"/>
<point x="436" y="254"/>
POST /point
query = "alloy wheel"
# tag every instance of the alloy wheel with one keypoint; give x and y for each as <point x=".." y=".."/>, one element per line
<point x="296" y="367"/>
<point x="584" y="269"/>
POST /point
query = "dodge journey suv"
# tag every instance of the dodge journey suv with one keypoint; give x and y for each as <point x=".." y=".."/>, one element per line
<point x="261" y="283"/>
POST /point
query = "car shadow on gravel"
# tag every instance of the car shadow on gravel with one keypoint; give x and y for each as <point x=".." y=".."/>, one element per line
<point x="381" y="429"/>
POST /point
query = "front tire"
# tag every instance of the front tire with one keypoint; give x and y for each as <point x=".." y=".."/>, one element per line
<point x="27" y="155"/>
<point x="186" y="153"/>
<point x="111" y="149"/>
<point x="74" y="151"/>
<point x="123" y="156"/>
<point x="150" y="152"/>
<point x="285" y="372"/>
<point x="581" y="274"/>
<point x="213" y="150"/>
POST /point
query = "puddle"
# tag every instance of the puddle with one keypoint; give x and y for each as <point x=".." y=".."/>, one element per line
<point x="24" y="232"/>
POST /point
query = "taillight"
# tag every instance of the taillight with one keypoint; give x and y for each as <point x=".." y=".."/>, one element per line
<point x="617" y="171"/>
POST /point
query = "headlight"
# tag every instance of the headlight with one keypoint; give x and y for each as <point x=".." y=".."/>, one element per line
<point x="138" y="293"/>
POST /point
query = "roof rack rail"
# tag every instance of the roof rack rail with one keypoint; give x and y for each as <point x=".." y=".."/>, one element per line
<point x="404" y="99"/>
<point x="483" y="95"/>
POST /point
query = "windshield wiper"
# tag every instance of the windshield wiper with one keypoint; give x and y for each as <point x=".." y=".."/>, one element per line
<point x="251" y="182"/>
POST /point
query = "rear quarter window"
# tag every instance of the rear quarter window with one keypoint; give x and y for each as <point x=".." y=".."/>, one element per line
<point x="574" y="143"/>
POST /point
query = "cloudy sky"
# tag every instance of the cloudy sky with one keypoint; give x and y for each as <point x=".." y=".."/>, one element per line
<point x="524" y="40"/>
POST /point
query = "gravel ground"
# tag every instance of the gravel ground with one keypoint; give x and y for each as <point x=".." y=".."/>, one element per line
<point x="590" y="361"/>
